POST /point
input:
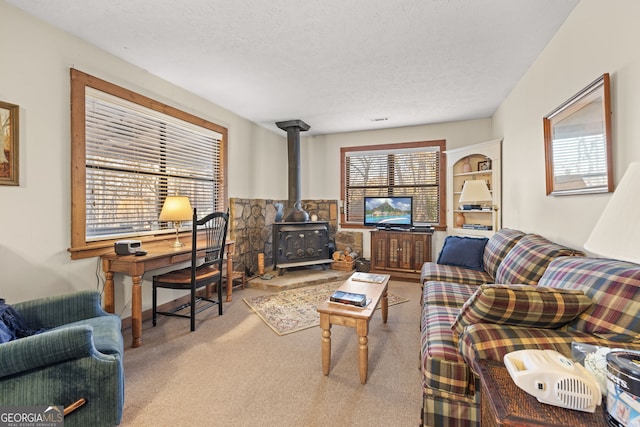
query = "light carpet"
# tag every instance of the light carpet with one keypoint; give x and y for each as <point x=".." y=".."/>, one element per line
<point x="293" y="310"/>
<point x="233" y="371"/>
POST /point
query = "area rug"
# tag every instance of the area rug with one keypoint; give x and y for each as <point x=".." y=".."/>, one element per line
<point x="293" y="310"/>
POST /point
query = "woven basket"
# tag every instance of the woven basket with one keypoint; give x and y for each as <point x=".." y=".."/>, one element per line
<point x="363" y="265"/>
<point x="343" y="265"/>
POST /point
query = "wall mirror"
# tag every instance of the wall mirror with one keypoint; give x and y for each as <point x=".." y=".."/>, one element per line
<point x="577" y="140"/>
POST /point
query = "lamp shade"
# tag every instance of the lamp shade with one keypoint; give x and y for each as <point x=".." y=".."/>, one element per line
<point x="475" y="191"/>
<point x="176" y="208"/>
<point x="617" y="232"/>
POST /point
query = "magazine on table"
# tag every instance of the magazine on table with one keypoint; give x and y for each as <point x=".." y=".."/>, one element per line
<point x="368" y="277"/>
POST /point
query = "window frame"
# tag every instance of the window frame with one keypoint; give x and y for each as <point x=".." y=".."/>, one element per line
<point x="440" y="144"/>
<point x="80" y="246"/>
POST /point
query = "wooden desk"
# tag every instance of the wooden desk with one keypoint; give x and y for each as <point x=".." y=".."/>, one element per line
<point x="159" y="255"/>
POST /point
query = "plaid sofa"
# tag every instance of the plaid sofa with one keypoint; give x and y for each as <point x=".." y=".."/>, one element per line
<point x="547" y="296"/>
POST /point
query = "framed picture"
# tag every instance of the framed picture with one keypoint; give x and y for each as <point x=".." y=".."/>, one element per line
<point x="484" y="165"/>
<point x="9" y="159"/>
<point x="577" y="142"/>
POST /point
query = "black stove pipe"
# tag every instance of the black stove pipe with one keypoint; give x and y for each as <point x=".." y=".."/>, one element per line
<point x="293" y="129"/>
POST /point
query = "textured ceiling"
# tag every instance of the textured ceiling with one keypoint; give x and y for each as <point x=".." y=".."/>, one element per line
<point x="339" y="65"/>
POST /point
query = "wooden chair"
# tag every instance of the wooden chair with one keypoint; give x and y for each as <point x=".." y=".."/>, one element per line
<point x="204" y="271"/>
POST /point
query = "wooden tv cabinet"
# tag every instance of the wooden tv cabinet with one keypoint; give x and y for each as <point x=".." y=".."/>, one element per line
<point x="400" y="253"/>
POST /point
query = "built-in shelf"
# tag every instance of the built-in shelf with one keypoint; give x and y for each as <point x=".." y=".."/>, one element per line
<point x="457" y="193"/>
<point x="484" y="172"/>
<point x="474" y="156"/>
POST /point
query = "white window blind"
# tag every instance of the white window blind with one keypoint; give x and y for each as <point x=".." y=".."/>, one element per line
<point x="398" y="172"/>
<point x="135" y="157"/>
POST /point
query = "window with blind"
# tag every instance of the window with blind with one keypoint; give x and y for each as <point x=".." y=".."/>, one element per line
<point x="407" y="169"/>
<point x="129" y="154"/>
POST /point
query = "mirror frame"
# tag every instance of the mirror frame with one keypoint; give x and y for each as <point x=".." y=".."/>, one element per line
<point x="598" y="95"/>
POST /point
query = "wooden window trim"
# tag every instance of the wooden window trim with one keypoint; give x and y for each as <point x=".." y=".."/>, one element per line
<point x="442" y="146"/>
<point x="80" y="247"/>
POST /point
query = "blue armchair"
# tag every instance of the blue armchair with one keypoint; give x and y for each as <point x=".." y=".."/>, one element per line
<point x="79" y="356"/>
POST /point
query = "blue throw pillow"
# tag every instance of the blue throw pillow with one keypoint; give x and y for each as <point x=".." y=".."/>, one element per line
<point x="463" y="252"/>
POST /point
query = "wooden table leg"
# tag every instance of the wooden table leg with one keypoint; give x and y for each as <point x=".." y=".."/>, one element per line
<point x="363" y="358"/>
<point x="362" y="328"/>
<point x="109" y="298"/>
<point x="325" y="326"/>
<point x="136" y="311"/>
<point x="230" y="250"/>
<point x="384" y="306"/>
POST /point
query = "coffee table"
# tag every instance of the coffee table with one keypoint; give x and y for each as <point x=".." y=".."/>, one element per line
<point x="354" y="317"/>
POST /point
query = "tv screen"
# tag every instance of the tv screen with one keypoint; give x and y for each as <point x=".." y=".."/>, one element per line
<point x="388" y="212"/>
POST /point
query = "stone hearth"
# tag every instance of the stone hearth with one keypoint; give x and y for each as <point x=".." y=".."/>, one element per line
<point x="297" y="278"/>
<point x="251" y="228"/>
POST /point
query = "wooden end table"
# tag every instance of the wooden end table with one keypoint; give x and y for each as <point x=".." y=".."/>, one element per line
<point x="503" y="403"/>
<point x="354" y="317"/>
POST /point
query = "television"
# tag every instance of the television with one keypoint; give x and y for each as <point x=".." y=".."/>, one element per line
<point x="388" y="212"/>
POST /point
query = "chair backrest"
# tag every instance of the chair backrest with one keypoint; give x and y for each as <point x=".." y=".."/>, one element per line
<point x="213" y="228"/>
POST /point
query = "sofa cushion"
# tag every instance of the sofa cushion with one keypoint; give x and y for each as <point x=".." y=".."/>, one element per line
<point x="614" y="288"/>
<point x="447" y="294"/>
<point x="528" y="260"/>
<point x="463" y="252"/>
<point x="497" y="248"/>
<point x="493" y="341"/>
<point x="449" y="273"/>
<point x="521" y="305"/>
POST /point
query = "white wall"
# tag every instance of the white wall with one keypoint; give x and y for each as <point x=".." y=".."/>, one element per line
<point x="321" y="173"/>
<point x="35" y="216"/>
<point x="598" y="37"/>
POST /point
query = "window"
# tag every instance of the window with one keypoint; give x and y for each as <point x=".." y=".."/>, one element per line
<point x="128" y="154"/>
<point x="406" y="169"/>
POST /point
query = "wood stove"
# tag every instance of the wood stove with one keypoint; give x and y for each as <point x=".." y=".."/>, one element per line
<point x="297" y="244"/>
<point x="296" y="241"/>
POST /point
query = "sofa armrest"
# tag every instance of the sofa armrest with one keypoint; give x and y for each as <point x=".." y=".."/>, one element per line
<point x="45" y="349"/>
<point x="58" y="310"/>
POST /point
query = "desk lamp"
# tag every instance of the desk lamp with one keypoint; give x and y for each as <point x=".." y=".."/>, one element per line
<point x="616" y="234"/>
<point x="176" y="209"/>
